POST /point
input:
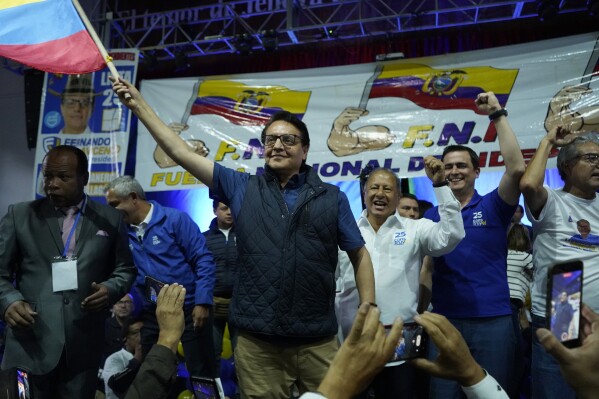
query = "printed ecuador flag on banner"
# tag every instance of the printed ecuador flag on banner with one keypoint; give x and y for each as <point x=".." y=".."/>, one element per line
<point x="247" y="105"/>
<point x="47" y="35"/>
<point x="443" y="89"/>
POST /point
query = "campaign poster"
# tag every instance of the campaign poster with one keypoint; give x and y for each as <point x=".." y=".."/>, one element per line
<point x="82" y="111"/>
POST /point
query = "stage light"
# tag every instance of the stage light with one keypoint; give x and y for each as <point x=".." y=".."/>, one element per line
<point x="270" y="40"/>
<point x="243" y="44"/>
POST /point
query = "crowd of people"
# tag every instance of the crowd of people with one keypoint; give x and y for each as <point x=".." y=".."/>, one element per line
<point x="287" y="267"/>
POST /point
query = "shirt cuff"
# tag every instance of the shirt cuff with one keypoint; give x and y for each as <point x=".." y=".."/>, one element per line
<point x="444" y="194"/>
<point x="487" y="388"/>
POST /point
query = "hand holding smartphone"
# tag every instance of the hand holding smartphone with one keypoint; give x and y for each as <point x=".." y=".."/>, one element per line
<point x="412" y="343"/>
<point x="564" y="301"/>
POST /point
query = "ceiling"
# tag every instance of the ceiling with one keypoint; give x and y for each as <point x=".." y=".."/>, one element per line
<point x="257" y="25"/>
<point x="178" y="30"/>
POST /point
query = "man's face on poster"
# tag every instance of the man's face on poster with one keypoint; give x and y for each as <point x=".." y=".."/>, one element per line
<point x="584" y="228"/>
<point x="76" y="109"/>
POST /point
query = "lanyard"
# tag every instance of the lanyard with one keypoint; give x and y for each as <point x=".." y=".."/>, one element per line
<point x="73" y="229"/>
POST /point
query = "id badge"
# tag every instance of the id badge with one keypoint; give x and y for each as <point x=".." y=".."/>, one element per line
<point x="64" y="274"/>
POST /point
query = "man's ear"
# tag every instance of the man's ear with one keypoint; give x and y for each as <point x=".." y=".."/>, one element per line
<point x="85" y="178"/>
<point x="306" y="149"/>
<point x="567" y="170"/>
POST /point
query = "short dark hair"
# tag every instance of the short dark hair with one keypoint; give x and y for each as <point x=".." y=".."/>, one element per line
<point x="288" y="117"/>
<point x="408" y="195"/>
<point x="82" y="163"/>
<point x="455" y="148"/>
<point x="216" y="202"/>
<point x="126" y="324"/>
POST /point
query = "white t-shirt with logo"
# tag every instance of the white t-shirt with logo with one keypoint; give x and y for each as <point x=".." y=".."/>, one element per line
<point x="558" y="241"/>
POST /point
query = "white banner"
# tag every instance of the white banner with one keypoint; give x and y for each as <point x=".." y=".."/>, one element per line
<point x="390" y="114"/>
<point x="82" y="111"/>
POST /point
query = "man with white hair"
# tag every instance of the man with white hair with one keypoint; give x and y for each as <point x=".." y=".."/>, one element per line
<point x="554" y="214"/>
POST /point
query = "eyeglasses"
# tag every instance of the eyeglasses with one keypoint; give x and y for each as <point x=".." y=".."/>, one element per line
<point x="125" y="303"/>
<point x="286" y="139"/>
<point x="71" y="102"/>
<point x="591" y="158"/>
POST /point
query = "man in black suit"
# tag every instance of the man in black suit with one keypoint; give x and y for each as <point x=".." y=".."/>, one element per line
<point x="59" y="273"/>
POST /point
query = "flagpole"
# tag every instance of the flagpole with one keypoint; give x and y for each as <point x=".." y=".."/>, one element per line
<point x="99" y="44"/>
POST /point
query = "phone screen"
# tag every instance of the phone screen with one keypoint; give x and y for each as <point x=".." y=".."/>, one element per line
<point x="23" y="385"/>
<point x="204" y="388"/>
<point x="566" y="297"/>
<point x="153" y="288"/>
<point x="412" y="343"/>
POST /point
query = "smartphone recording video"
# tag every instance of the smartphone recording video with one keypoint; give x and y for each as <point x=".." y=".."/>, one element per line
<point x="564" y="299"/>
<point x="153" y="288"/>
<point x="412" y="343"/>
<point x="23" y="390"/>
<point x="205" y="388"/>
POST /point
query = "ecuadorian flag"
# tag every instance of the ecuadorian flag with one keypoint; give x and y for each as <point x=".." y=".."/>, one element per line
<point x="443" y="89"/>
<point x="247" y="105"/>
<point x="47" y="35"/>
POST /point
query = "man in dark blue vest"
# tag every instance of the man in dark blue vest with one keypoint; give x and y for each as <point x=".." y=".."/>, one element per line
<point x="289" y="227"/>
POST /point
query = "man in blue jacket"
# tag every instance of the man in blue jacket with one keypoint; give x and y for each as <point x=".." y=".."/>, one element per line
<point x="169" y="247"/>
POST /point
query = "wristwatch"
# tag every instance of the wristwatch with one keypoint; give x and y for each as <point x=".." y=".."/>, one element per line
<point x="497" y="114"/>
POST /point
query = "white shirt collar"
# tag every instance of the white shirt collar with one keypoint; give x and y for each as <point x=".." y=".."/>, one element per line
<point x="394" y="219"/>
<point x="141" y="228"/>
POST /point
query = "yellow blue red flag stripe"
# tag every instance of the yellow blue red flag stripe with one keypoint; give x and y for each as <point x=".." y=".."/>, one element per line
<point x="47" y="35"/>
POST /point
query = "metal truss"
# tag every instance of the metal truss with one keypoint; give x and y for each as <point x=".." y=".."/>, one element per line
<point x="258" y="25"/>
